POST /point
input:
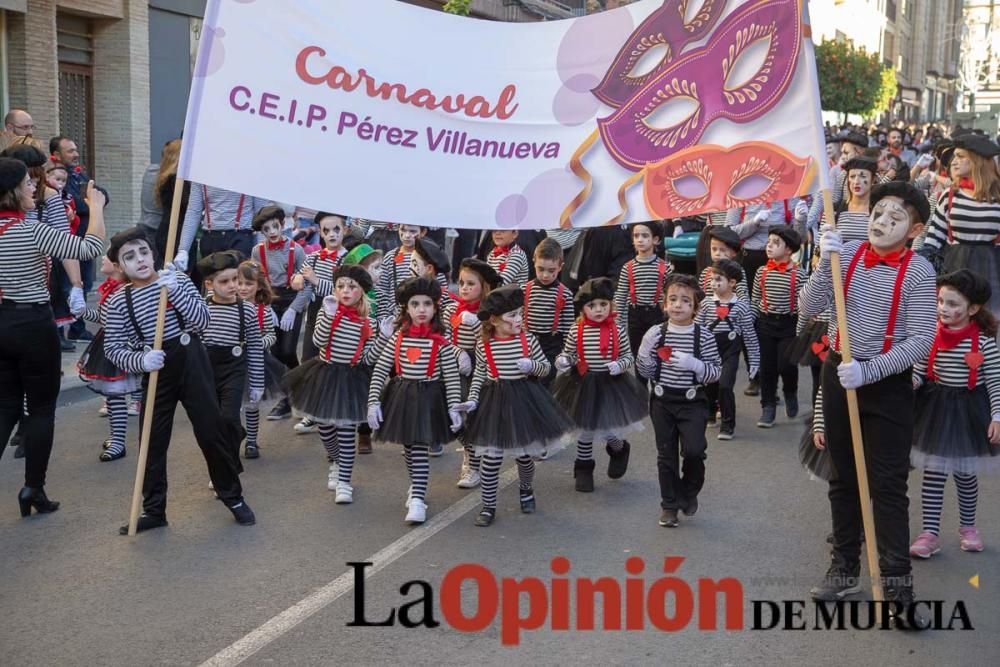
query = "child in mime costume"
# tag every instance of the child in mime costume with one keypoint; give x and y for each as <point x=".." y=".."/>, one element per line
<point x="185" y="373"/>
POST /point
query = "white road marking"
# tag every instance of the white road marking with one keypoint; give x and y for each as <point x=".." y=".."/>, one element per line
<point x="253" y="642"/>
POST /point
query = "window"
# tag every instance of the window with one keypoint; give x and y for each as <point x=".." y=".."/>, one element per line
<point x="890" y="9"/>
<point x="75" y="48"/>
<point x="888" y="49"/>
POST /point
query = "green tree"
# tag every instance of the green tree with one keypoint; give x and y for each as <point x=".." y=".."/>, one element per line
<point x="460" y="7"/>
<point x="852" y="80"/>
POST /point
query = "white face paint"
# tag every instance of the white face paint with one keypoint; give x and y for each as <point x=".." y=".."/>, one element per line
<point x="889" y="224"/>
<point x="272" y="230"/>
<point x="136" y="260"/>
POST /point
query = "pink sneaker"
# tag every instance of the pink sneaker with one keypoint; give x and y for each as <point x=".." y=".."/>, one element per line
<point x="969" y="539"/>
<point x="925" y="546"/>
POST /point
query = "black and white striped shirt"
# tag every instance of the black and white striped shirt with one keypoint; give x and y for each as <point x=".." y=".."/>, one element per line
<point x="267" y="324"/>
<point x="644" y="278"/>
<point x="395" y="269"/>
<point x="774" y="292"/>
<point x="324" y="264"/>
<point x="124" y="346"/>
<point x="548" y="308"/>
<point x="596" y="362"/>
<point x="24" y="248"/>
<point x="706" y="285"/>
<point x="277" y="260"/>
<point x="951" y="369"/>
<point x="971" y="221"/>
<point x="505" y="353"/>
<point x="53" y="213"/>
<point x="215" y="209"/>
<point x="462" y="336"/>
<point x="445" y="366"/>
<point x="511" y="263"/>
<point x="342" y="346"/>
<point x="869" y="301"/>
<point x="682" y="339"/>
<point x="224" y="330"/>
<point x="738" y="318"/>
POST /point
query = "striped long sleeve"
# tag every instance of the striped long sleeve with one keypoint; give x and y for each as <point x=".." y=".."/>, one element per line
<point x="506" y="353"/>
<point x="342" y="346"/>
<point x="512" y="266"/>
<point x="445" y="367"/>
<point x="775" y="292"/>
<point x="222" y="210"/>
<point x="548" y="308"/>
<point x="641" y="277"/>
<point x="324" y="265"/>
<point x="682" y="339"/>
<point x="395" y="269"/>
<point x="971" y="221"/>
<point x="592" y="349"/>
<point x="24" y="247"/>
<point x="739" y="318"/>
<point x="951" y="369"/>
<point x="232" y="324"/>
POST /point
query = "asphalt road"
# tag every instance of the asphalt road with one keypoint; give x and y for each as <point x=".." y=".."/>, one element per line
<point x="74" y="592"/>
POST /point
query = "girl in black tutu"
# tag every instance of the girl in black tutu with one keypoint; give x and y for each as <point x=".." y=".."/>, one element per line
<point x="512" y="413"/>
<point x="596" y="386"/>
<point x="331" y="388"/>
<point x="812" y="448"/>
<point x="957" y="429"/>
<point x="252" y="286"/>
<point x="416" y="408"/>
<point x="104" y="377"/>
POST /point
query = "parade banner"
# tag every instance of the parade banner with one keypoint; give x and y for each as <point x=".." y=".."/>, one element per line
<point x="383" y="110"/>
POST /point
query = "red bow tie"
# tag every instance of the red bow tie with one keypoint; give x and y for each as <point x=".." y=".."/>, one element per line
<point x="779" y="266"/>
<point x="965" y="183"/>
<point x="893" y="259"/>
<point x="325" y="254"/>
<point x="279" y="245"/>
<point x="500" y="250"/>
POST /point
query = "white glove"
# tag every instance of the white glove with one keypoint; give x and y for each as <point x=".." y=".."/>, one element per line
<point x="375" y="416"/>
<point x="615" y="368"/>
<point x="830" y="241"/>
<point x="762" y="216"/>
<point x="648" y="344"/>
<point x="801" y="211"/>
<point x="77" y="304"/>
<point x="168" y="278"/>
<point x="387" y="327"/>
<point x="456" y="420"/>
<point x="255" y="395"/>
<point x="464" y="363"/>
<point x="287" y="320"/>
<point x="563" y="363"/>
<point x="469" y="319"/>
<point x="850" y="374"/>
<point x="180" y="261"/>
<point x="688" y="362"/>
<point x="153" y="360"/>
<point x="468" y="406"/>
<point x="525" y="365"/>
<point x="330" y="305"/>
<point x="754" y="370"/>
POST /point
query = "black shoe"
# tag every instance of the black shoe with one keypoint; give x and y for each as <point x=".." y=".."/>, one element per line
<point x="112" y="452"/>
<point x="618" y="461"/>
<point x="251" y="452"/>
<point x="485" y="517"/>
<point x="435" y="450"/>
<point x="583" y="472"/>
<point x="243" y="514"/>
<point x="146" y="522"/>
<point x="753" y="389"/>
<point x="725" y="433"/>
<point x="668" y="519"/>
<point x="767" y="416"/>
<point x="35" y="497"/>
<point x="905" y="616"/>
<point x="83" y="335"/>
<point x="691" y="506"/>
<point x="791" y="405"/>
<point x="282" y="410"/>
<point x="527" y="501"/>
<point x="839" y="582"/>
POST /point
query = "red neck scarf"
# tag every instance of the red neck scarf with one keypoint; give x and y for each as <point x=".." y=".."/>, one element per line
<point x="419" y="331"/>
<point x="107" y="288"/>
<point x="456" y="318"/>
<point x="12" y="214"/>
<point x="500" y="250"/>
<point x="893" y="259"/>
<point x="947" y="339"/>
<point x="350" y="313"/>
<point x="366" y="332"/>
<point x="966" y="183"/>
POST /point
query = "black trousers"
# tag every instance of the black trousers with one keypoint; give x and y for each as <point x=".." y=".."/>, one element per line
<point x="230" y="374"/>
<point x="309" y="349"/>
<point x="776" y="333"/>
<point x="186" y="378"/>
<point x="29" y="368"/>
<point x="215" y="241"/>
<point x="751" y="260"/>
<point x="679" y="427"/>
<point x="640" y="319"/>
<point x="284" y="348"/>
<point x="886" y="409"/>
<point x="721" y="394"/>
<point x="552" y="345"/>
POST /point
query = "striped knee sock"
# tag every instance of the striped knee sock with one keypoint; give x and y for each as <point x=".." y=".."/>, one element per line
<point x="585" y="447"/>
<point x="489" y="473"/>
<point x="932" y="500"/>
<point x="472" y="459"/>
<point x="525" y="472"/>
<point x="348" y="448"/>
<point x="420" y="471"/>
<point x="328" y="436"/>
<point x="252" y="418"/>
<point x="118" y="423"/>
<point x="968" y="498"/>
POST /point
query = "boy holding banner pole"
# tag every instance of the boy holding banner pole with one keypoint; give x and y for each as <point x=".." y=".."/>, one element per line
<point x="886" y="296"/>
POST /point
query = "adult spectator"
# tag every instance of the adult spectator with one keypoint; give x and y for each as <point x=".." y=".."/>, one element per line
<point x="896" y="147"/>
<point x="149" y="206"/>
<point x="598" y="252"/>
<point x="226" y="221"/>
<point x="166" y="179"/>
<point x="64" y="150"/>
<point x="17" y="123"/>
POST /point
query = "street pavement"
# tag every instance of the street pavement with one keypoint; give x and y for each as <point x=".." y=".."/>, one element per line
<point x="74" y="592"/>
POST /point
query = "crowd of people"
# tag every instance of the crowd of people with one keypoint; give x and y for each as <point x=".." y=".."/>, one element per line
<point x="519" y="343"/>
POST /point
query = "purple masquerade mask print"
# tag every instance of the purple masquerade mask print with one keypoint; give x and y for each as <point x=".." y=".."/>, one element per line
<point x="702" y="77"/>
<point x="665" y="27"/>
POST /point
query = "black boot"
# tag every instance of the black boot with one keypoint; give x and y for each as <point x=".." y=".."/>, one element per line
<point x="791" y="405"/>
<point x="35" y="497"/>
<point x="583" y="472"/>
<point x="243" y="514"/>
<point x="618" y="461"/>
<point x="905" y="615"/>
<point x="146" y="522"/>
<point x="486" y="516"/>
<point x="527" y="501"/>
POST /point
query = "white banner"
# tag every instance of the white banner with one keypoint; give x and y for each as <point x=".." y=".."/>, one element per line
<point x="383" y="110"/>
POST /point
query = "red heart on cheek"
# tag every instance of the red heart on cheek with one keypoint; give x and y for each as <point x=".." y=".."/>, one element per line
<point x="974" y="359"/>
<point x="665" y="352"/>
<point x="413" y="353"/>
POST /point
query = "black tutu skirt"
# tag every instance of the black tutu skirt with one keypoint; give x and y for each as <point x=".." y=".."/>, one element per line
<point x="601" y="402"/>
<point x="414" y="412"/>
<point x="816" y="461"/>
<point x="517" y="417"/>
<point x="810" y="344"/>
<point x="328" y="393"/>
<point x="949" y="433"/>
<point x="274" y="375"/>
<point x="103" y="376"/>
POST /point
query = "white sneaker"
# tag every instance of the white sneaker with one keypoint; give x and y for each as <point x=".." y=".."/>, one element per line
<point x="331" y="478"/>
<point x="345" y="494"/>
<point x="305" y="426"/>
<point x="103" y="410"/>
<point x="133" y="408"/>
<point x="409" y="495"/>
<point x="417" y="512"/>
<point x="469" y="478"/>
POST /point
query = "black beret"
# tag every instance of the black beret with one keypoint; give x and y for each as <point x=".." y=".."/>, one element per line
<point x="267" y="213"/>
<point x="30" y="155"/>
<point x="488" y="274"/>
<point x="857" y="138"/>
<point x="725" y="235"/>
<point x="786" y="234"/>
<point x="499" y="301"/>
<point x="593" y="289"/>
<point x="969" y="284"/>
<point x="654" y="226"/>
<point x="432" y="253"/>
<point x="326" y="214"/>
<point x="356" y="273"/>
<point x="861" y="162"/>
<point x="121" y="238"/>
<point x="12" y="173"/>
<point x="219" y="261"/>
<point x="944" y="150"/>
<point x="905" y="191"/>
<point x="417" y="287"/>
<point x="978" y="144"/>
